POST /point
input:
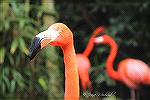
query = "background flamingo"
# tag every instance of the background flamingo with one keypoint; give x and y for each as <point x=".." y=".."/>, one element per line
<point x="56" y="35"/>
<point x="84" y="62"/>
<point x="131" y="71"/>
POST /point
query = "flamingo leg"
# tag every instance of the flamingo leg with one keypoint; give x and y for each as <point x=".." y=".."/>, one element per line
<point x="133" y="96"/>
<point x="137" y="95"/>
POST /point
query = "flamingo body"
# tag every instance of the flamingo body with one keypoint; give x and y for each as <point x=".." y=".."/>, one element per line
<point x="84" y="66"/>
<point x="83" y="61"/>
<point x="133" y="72"/>
<point x="130" y="71"/>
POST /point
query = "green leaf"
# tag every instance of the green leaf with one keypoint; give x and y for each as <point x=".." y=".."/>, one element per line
<point x="6" y="81"/>
<point x="27" y="7"/>
<point x="21" y="84"/>
<point x="42" y="83"/>
<point x="6" y="24"/>
<point x="23" y="46"/>
<point x="18" y="78"/>
<point x="17" y="60"/>
<point x="2" y="55"/>
<point x="3" y="88"/>
<point x="11" y="60"/>
<point x="16" y="75"/>
<point x="6" y="71"/>
<point x="12" y="86"/>
<point x="21" y="23"/>
<point x="13" y="46"/>
<point x="28" y="32"/>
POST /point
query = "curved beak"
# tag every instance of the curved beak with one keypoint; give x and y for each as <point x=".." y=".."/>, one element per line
<point x="35" y="47"/>
<point x="41" y="40"/>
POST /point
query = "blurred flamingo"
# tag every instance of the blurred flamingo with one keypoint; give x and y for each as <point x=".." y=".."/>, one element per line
<point x="131" y="72"/>
<point x="56" y="35"/>
<point x="83" y="61"/>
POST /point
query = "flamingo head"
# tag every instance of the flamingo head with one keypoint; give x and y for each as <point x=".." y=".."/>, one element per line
<point x="56" y="35"/>
<point x="102" y="39"/>
<point x="98" y="30"/>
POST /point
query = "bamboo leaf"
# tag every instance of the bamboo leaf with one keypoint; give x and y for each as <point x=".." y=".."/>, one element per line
<point x="18" y="78"/>
<point x="6" y="24"/>
<point x="48" y="20"/>
<point x="2" y="55"/>
<point x="48" y="7"/>
<point x="23" y="46"/>
<point x="21" y="23"/>
<point x="28" y="32"/>
<point x="6" y="81"/>
<point x="11" y="60"/>
<point x="16" y="75"/>
<point x="3" y="88"/>
<point x="42" y="83"/>
<point x="12" y="86"/>
<point x="13" y="46"/>
<point x="17" y="60"/>
<point x="21" y="84"/>
<point x="27" y="7"/>
<point x="6" y="71"/>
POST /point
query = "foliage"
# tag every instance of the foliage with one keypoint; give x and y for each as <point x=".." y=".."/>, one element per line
<point x="19" y="77"/>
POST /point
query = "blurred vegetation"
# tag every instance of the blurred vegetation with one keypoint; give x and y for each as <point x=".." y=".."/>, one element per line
<point x="21" y="20"/>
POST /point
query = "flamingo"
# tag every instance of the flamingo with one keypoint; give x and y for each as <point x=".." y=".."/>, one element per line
<point x="131" y="72"/>
<point x="83" y="61"/>
<point x="56" y="35"/>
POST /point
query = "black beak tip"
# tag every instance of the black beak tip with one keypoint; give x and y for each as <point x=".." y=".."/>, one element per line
<point x="34" y="48"/>
<point x="30" y="58"/>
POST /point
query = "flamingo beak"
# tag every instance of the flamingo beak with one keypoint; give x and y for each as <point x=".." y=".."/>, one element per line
<point x="99" y="39"/>
<point x="34" y="48"/>
<point x="42" y="40"/>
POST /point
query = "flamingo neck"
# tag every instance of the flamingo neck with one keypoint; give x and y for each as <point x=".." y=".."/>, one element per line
<point x="110" y="61"/>
<point x="89" y="47"/>
<point x="71" y="74"/>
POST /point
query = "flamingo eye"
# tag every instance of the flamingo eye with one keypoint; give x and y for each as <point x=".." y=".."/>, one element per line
<point x="59" y="31"/>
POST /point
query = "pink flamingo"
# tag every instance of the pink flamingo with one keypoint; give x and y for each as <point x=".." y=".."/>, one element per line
<point x="83" y="61"/>
<point x="131" y="72"/>
<point x="56" y="35"/>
